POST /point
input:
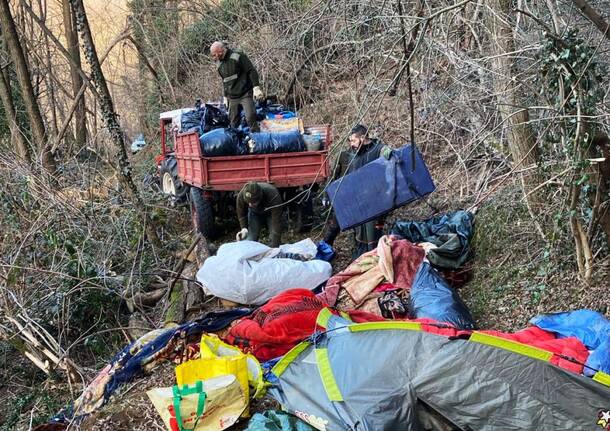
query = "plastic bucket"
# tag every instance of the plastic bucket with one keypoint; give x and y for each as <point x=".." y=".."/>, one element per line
<point x="312" y="142"/>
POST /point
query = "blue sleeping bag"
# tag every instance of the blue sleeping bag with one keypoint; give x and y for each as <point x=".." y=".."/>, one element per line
<point x="432" y="298"/>
<point x="222" y="142"/>
<point x="379" y="187"/>
<point x="277" y="142"/>
<point x="590" y="327"/>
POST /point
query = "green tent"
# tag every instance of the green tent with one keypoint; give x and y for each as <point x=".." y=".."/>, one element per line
<point x="394" y="376"/>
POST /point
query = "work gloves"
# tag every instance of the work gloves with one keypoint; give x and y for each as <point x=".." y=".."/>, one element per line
<point x="258" y="93"/>
<point x="386" y="152"/>
<point x="241" y="235"/>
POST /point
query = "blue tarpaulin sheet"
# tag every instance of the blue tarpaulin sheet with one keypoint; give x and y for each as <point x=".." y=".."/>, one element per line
<point x="590" y="327"/>
<point x="379" y="187"/>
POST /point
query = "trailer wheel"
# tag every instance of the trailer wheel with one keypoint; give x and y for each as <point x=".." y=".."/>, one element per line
<point x="202" y="213"/>
<point x="170" y="183"/>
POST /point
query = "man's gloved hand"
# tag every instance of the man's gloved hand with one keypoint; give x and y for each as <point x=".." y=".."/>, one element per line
<point x="258" y="93"/>
<point x="225" y="101"/>
<point x="241" y="235"/>
<point x="386" y="152"/>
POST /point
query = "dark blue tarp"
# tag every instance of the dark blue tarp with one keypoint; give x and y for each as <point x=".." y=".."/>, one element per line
<point x="222" y="142"/>
<point x="379" y="187"/>
<point x="450" y="232"/>
<point x="590" y="327"/>
<point x="277" y="142"/>
<point x="431" y="297"/>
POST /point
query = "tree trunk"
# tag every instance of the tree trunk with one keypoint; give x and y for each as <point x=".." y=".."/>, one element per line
<point x="593" y="16"/>
<point x="80" y="119"/>
<point x="520" y="136"/>
<point x="9" y="108"/>
<point x="23" y="77"/>
<point x="48" y="77"/>
<point x="110" y="118"/>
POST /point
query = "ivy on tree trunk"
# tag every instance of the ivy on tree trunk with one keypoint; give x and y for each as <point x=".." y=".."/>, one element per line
<point x="110" y="118"/>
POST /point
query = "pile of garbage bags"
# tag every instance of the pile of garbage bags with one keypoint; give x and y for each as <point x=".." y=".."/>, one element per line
<point x="211" y="122"/>
<point x="385" y="343"/>
<point x="203" y="118"/>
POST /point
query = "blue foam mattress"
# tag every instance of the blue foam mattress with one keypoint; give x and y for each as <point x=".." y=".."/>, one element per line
<point x="379" y="187"/>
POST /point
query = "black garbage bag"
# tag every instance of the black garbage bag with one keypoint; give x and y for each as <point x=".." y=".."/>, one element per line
<point x="276" y="142"/>
<point x="191" y="121"/>
<point x="450" y="232"/>
<point x="213" y="118"/>
<point x="431" y="297"/>
<point x="222" y="142"/>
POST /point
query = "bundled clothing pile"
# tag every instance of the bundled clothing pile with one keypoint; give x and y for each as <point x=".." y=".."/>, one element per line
<point x="396" y="281"/>
<point x="447" y="237"/>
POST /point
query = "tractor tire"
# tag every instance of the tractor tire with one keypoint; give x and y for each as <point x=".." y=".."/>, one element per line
<point x="202" y="214"/>
<point x="169" y="181"/>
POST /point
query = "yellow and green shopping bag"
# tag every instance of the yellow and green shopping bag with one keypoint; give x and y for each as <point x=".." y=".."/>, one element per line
<point x="217" y="359"/>
<point x="209" y="405"/>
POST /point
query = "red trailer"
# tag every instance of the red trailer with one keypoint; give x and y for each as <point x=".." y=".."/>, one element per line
<point x="211" y="181"/>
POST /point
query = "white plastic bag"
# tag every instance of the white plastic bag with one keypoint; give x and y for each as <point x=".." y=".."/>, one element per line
<point x="243" y="272"/>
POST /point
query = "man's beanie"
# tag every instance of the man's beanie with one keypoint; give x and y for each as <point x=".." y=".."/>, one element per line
<point x="252" y="192"/>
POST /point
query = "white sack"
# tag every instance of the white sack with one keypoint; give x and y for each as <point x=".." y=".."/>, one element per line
<point x="241" y="271"/>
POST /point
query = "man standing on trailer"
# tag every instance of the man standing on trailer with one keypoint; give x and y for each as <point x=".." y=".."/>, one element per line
<point x="240" y="83"/>
<point x="259" y="204"/>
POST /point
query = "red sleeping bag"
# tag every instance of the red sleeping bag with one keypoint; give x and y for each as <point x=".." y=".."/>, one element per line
<point x="283" y="322"/>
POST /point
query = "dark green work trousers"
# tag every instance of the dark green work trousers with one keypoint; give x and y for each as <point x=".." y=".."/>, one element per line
<point x="256" y="221"/>
<point x="247" y="103"/>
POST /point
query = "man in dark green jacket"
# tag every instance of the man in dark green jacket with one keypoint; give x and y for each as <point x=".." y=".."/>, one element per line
<point x="362" y="151"/>
<point x="258" y="204"/>
<point x="240" y="83"/>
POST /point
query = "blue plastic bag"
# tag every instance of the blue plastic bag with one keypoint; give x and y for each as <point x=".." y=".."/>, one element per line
<point x="325" y="251"/>
<point x="432" y="298"/>
<point x="590" y="327"/>
<point x="277" y="142"/>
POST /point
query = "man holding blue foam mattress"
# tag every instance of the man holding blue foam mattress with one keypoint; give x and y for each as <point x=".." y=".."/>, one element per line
<point x="362" y="150"/>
